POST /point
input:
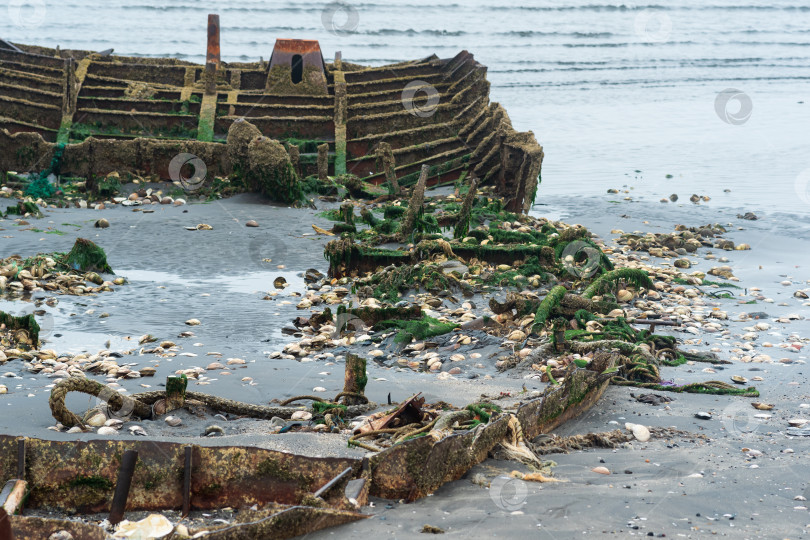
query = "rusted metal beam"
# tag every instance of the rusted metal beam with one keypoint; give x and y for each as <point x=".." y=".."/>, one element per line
<point x="187" y="480"/>
<point x="212" y="56"/>
<point x="125" y="473"/>
<point x="21" y="459"/>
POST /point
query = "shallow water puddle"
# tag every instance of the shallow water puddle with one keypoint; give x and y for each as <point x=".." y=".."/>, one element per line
<point x="249" y="283"/>
<point x="54" y="336"/>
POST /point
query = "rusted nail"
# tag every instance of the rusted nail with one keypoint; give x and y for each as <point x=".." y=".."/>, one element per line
<point x="187" y="481"/>
<point x="119" y="501"/>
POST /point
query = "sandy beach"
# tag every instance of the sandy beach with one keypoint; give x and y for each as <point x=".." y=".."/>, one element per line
<point x="735" y="474"/>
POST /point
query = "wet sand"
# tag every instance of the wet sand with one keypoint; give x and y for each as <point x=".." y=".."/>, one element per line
<point x="220" y="277"/>
<point x="654" y="489"/>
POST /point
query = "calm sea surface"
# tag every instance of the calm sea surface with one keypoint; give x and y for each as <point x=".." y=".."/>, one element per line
<point x="618" y="94"/>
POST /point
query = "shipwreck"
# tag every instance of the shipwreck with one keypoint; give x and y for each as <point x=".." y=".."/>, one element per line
<point x="100" y="113"/>
<point x="378" y="131"/>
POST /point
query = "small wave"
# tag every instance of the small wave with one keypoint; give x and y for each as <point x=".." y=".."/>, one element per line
<point x="533" y="33"/>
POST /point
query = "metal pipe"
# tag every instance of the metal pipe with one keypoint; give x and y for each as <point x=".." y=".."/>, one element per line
<point x="125" y="473"/>
<point x="331" y="483"/>
<point x="187" y="481"/>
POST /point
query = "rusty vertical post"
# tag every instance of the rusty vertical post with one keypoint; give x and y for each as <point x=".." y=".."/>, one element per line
<point x="187" y="481"/>
<point x="121" y="494"/>
<point x="21" y="458"/>
<point x="175" y="392"/>
<point x="212" y="56"/>
<point x="354" y="379"/>
<point x="213" y="40"/>
<point x="323" y="161"/>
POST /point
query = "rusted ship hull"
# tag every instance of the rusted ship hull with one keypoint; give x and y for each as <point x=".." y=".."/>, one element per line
<point x="240" y="476"/>
<point x="118" y="113"/>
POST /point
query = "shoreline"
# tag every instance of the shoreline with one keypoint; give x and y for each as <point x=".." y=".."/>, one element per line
<point x="242" y="208"/>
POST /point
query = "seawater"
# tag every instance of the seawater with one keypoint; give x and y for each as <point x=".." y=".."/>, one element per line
<point x="619" y="94"/>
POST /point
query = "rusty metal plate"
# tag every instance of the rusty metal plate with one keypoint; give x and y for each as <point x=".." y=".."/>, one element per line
<point x="36" y="528"/>
<point x="282" y="524"/>
<point x="79" y="477"/>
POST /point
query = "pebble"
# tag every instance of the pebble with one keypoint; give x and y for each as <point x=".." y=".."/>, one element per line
<point x="703" y="415"/>
<point x="251" y="223"/>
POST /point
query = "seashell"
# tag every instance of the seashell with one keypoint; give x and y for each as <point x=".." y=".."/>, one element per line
<point x="114" y="423"/>
<point x="797" y="422"/>
<point x="193" y="322"/>
<point x="173" y="421"/>
<point x="517" y="335"/>
<point x="739" y="379"/>
<point x="624" y="295"/>
<point x="601" y="470"/>
<point x="97" y="420"/>
<point x="213" y="430"/>
<point x="762" y="406"/>
<point x="641" y="433"/>
<point x="204" y="227"/>
<point x="251" y="223"/>
<point x="319" y="389"/>
<point x="301" y="415"/>
<point x="106" y="430"/>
